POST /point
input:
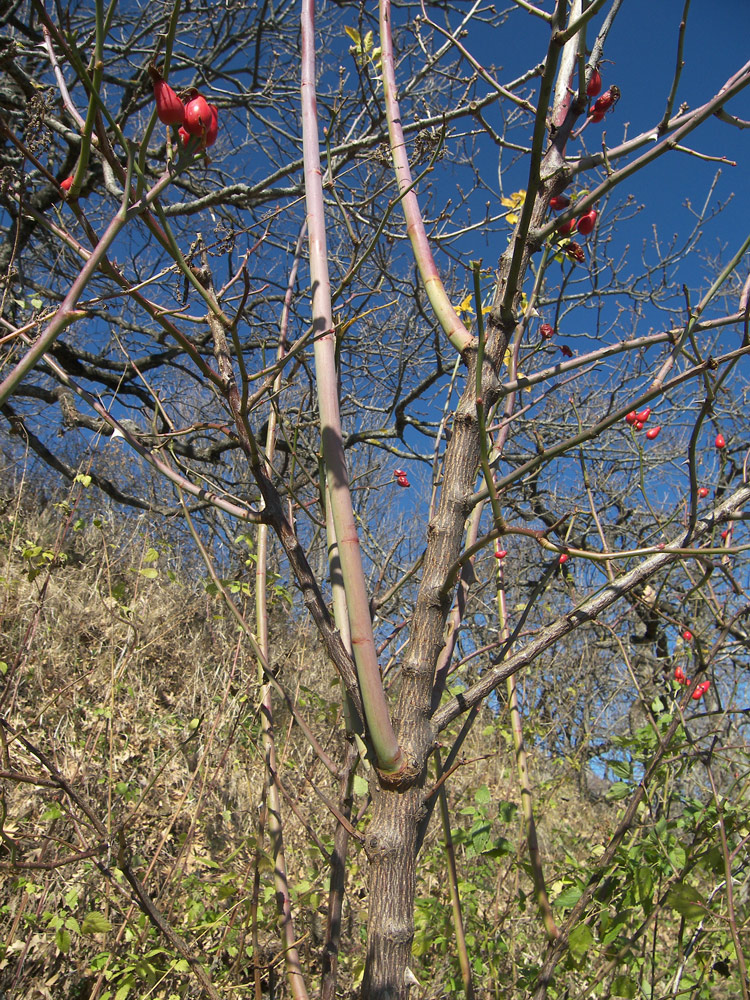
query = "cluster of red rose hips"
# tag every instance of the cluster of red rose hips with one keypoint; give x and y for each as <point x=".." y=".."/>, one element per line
<point x="682" y="678"/>
<point x="604" y="103"/>
<point x="400" y="477"/>
<point x="637" y="421"/>
<point x="195" y="118"/>
<point x="585" y="224"/>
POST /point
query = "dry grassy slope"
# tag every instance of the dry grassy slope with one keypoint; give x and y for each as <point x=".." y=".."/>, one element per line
<point x="143" y="695"/>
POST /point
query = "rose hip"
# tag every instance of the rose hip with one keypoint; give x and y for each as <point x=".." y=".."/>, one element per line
<point x="595" y="83"/>
<point x="559" y="202"/>
<point x="197" y="116"/>
<point x="169" y="108"/>
<point x="586" y="222"/>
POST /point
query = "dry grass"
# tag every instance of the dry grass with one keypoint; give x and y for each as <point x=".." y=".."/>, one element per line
<point x="139" y="691"/>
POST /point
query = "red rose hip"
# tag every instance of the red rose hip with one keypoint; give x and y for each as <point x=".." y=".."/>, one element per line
<point x="587" y="222"/>
<point x="169" y="108"/>
<point x="197" y="116"/>
<point x="559" y="202"/>
<point x="213" y="127"/>
<point x="720" y="442"/>
<point x="595" y="84"/>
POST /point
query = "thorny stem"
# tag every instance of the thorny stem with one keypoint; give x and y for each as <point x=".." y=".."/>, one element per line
<point x="379" y="727"/>
<point x="524" y="780"/>
<point x="449" y="320"/>
<point x="450" y="854"/>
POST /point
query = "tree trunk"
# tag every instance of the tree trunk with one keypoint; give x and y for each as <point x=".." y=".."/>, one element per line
<point x="391" y="848"/>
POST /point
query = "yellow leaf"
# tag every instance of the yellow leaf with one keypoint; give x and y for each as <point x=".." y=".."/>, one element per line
<point x="466" y="305"/>
<point x="355" y="36"/>
<point x="515" y="201"/>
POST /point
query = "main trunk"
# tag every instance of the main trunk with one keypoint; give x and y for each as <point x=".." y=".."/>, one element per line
<point x="391" y="849"/>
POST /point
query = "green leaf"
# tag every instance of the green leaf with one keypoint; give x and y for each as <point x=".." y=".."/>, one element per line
<point x="677" y="857"/>
<point x="621" y="768"/>
<point x="95" y="923"/>
<point x="482" y="795"/>
<point x="580" y="941"/>
<point x="360" y="785"/>
<point x="507" y="811"/>
<point x="568" y="897"/>
<point x="151" y="555"/>
<point x="687" y="901"/>
<point x="62" y="940"/>
<point x="37" y="302"/>
<point x="624" y="986"/>
<point x="502" y="848"/>
<point x="644" y="881"/>
<point x="150" y="572"/>
<point x="83" y="479"/>
<point x="619" y="790"/>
